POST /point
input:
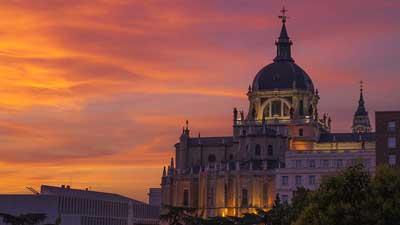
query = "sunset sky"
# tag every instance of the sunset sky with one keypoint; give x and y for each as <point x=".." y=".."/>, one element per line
<point x="94" y="93"/>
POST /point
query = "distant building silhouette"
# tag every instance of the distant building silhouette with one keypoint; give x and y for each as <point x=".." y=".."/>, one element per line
<point x="155" y="197"/>
<point x="387" y="125"/>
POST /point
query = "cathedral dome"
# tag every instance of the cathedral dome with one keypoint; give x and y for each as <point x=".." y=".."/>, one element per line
<point x="282" y="74"/>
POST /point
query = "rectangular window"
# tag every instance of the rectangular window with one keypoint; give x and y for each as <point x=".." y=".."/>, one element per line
<point x="325" y="163"/>
<point x="298" y="163"/>
<point x="311" y="180"/>
<point x="339" y="163"/>
<point x="285" y="180"/>
<point x="270" y="150"/>
<point x="301" y="132"/>
<point x="311" y="163"/>
<point x="186" y="197"/>
<point x="301" y="108"/>
<point x="392" y="126"/>
<point x="392" y="160"/>
<point x="392" y="142"/>
<point x="276" y="108"/>
<point x="298" y="180"/>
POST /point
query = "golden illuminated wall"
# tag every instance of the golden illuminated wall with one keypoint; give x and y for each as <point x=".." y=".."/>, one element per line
<point x="259" y="186"/>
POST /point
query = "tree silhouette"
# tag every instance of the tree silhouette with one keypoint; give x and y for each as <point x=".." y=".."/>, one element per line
<point x="23" y="219"/>
<point x="177" y="215"/>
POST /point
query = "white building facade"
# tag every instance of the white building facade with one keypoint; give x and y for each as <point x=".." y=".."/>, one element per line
<point x="307" y="168"/>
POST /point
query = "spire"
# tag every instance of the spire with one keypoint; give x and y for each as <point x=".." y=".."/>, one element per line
<point x="283" y="45"/>
<point x="172" y="163"/>
<point x="164" y="172"/>
<point x="361" y="111"/>
<point x="361" y="123"/>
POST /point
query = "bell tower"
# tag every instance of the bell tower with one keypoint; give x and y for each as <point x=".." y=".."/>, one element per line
<point x="361" y="123"/>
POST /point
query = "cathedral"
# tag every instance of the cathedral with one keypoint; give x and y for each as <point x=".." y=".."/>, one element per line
<point x="281" y="143"/>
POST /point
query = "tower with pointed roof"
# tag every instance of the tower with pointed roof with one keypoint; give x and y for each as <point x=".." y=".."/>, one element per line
<point x="361" y="123"/>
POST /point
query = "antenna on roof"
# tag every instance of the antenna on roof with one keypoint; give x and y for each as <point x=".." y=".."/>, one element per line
<point x="33" y="190"/>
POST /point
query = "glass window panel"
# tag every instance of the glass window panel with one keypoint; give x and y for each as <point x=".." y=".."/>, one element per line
<point x="392" y="142"/>
<point x="276" y="108"/>
<point x="286" y="110"/>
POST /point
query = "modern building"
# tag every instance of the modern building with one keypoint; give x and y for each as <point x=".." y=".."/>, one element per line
<point x="155" y="197"/>
<point x="81" y="207"/>
<point x="388" y="137"/>
<point x="236" y="174"/>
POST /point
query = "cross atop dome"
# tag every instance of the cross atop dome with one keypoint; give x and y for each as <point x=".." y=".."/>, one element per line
<point x="284" y="43"/>
<point x="283" y="16"/>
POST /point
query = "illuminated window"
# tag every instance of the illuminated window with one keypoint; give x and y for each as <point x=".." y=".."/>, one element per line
<point x="276" y="108"/>
<point x="392" y="142"/>
<point x="392" y="160"/>
<point x="392" y="126"/>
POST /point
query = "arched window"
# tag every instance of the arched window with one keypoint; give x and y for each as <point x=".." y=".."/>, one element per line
<point x="212" y="158"/>
<point x="258" y="150"/>
<point x="276" y="108"/>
